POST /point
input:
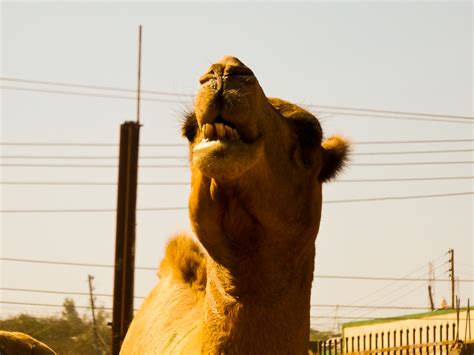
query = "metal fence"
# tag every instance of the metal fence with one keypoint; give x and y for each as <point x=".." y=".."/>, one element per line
<point x="438" y="340"/>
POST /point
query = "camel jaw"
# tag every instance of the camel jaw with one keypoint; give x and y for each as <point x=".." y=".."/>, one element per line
<point x="225" y="159"/>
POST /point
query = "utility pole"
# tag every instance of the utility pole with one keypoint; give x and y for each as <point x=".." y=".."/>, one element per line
<point x="451" y="275"/>
<point x="126" y="221"/>
<point x="430" y="296"/>
<point x="96" y="335"/>
<point x="431" y="284"/>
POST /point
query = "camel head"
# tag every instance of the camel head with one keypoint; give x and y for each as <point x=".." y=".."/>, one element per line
<point x="267" y="153"/>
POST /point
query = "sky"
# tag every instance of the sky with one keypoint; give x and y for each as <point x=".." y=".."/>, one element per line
<point x="394" y="56"/>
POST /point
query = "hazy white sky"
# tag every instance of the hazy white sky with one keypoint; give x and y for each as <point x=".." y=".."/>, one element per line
<point x="400" y="56"/>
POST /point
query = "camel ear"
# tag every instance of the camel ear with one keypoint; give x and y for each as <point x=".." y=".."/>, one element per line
<point x="335" y="155"/>
<point x="189" y="126"/>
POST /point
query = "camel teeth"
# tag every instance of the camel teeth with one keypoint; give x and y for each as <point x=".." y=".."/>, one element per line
<point x="220" y="130"/>
<point x="229" y="134"/>
<point x="209" y="131"/>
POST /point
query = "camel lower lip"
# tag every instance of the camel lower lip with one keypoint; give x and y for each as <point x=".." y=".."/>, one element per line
<point x="225" y="159"/>
<point x="215" y="145"/>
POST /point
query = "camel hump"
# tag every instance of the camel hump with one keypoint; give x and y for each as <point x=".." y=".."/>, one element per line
<point x="20" y="343"/>
<point x="185" y="262"/>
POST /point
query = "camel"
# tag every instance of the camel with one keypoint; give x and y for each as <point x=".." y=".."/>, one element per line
<point x="257" y="169"/>
<point x="20" y="343"/>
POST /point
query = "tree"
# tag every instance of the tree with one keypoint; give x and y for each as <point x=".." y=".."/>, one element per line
<point x="67" y="334"/>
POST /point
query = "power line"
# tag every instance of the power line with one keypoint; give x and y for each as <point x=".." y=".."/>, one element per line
<point x="52" y="305"/>
<point x="345" y="108"/>
<point x="87" y="183"/>
<point x="185" y="183"/>
<point x="94" y="87"/>
<point x="333" y="109"/>
<point x="86" y="144"/>
<point x="47" y="305"/>
<point x="99" y="144"/>
<point x="366" y="115"/>
<point x="414" y="163"/>
<point x="153" y="209"/>
<point x="61" y="92"/>
<point x="75" y="93"/>
<point x="343" y="277"/>
<point x="172" y="166"/>
<point x="103" y="157"/>
<point x="67" y="263"/>
<point x="388" y="286"/>
<point x="416" y="141"/>
<point x="371" y="278"/>
<point x="415" y="152"/>
<point x="383" y="318"/>
<point x="86" y="210"/>
<point x="417" y="287"/>
<point x="408" y="179"/>
<point x="75" y="293"/>
<point x="389" y="198"/>
<point x="367" y="307"/>
<point x="84" y="157"/>
<point x="20" y="165"/>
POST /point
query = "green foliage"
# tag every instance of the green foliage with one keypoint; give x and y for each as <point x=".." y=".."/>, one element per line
<point x="316" y="335"/>
<point x="68" y="334"/>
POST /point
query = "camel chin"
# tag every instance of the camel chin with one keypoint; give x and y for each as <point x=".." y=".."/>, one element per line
<point x="226" y="160"/>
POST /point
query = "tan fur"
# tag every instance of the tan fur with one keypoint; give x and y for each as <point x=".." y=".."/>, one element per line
<point x="185" y="262"/>
<point x="255" y="206"/>
<point x="19" y="343"/>
<point x="336" y="149"/>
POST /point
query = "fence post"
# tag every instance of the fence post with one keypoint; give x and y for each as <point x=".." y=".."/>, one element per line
<point x="421" y="339"/>
<point x="381" y="341"/>
<point x="427" y="338"/>
<point x="401" y="340"/>
<point x="441" y="339"/>
<point x="447" y="338"/>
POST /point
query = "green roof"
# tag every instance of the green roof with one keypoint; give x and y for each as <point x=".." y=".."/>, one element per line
<point x="405" y="317"/>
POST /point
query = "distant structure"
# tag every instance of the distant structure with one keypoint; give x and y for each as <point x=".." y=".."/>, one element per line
<point x="440" y="329"/>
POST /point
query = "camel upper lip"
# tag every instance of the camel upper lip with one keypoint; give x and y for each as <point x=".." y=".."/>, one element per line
<point x="218" y="119"/>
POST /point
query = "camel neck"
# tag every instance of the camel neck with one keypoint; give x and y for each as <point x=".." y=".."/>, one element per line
<point x="255" y="313"/>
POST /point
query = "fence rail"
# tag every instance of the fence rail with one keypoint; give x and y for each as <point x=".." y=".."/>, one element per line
<point x="436" y="340"/>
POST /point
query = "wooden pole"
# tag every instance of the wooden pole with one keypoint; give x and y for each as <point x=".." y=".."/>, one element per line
<point x="430" y="296"/>
<point x="139" y="74"/>
<point x="124" y="277"/>
<point x="125" y="234"/>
